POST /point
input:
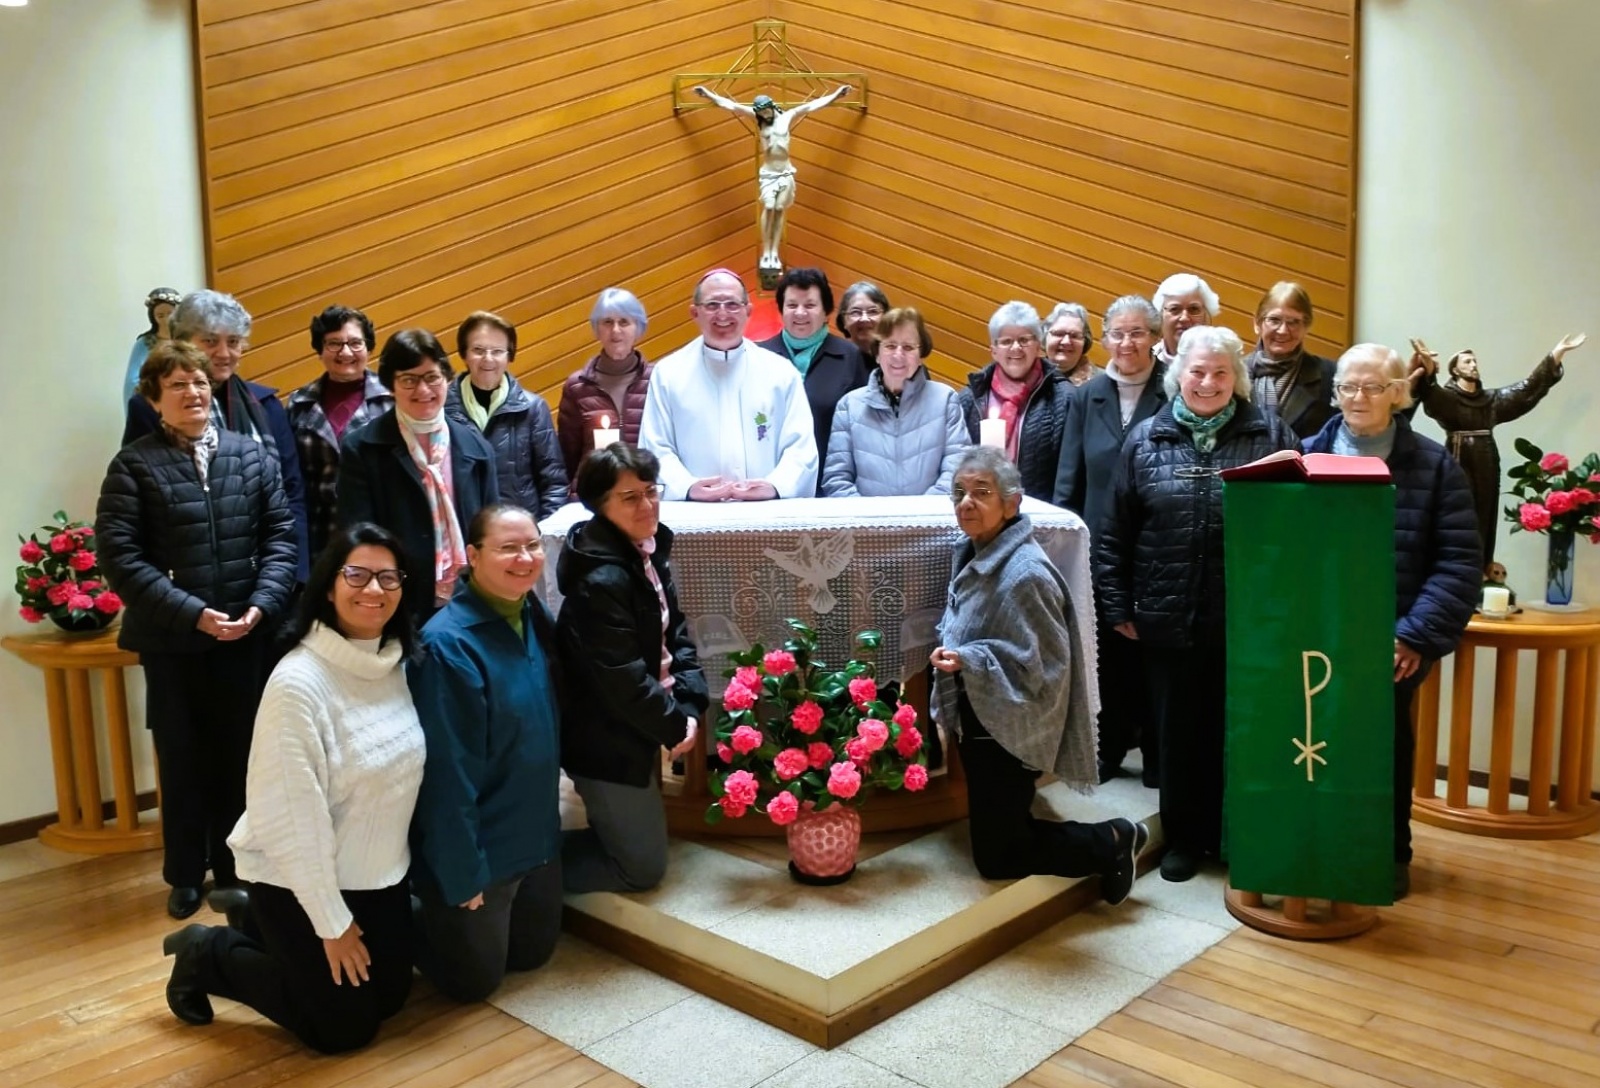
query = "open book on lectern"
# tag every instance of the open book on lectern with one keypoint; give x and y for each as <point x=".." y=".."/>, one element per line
<point x="1292" y="466"/>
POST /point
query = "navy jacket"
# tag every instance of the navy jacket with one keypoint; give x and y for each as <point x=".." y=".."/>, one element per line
<point x="378" y="481"/>
<point x="143" y="419"/>
<point x="1043" y="420"/>
<point x="527" y="457"/>
<point x="1092" y="440"/>
<point x="487" y="810"/>
<point x="836" y="369"/>
<point x="610" y="634"/>
<point x="1437" y="554"/>
<point x="172" y="547"/>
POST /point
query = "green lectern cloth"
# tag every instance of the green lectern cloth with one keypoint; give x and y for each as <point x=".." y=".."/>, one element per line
<point x="1310" y="743"/>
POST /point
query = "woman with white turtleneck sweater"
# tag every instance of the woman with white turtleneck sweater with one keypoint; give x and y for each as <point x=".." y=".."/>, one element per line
<point x="416" y="472"/>
<point x="321" y="943"/>
<point x="1103" y="411"/>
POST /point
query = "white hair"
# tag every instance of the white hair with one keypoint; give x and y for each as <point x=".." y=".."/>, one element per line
<point x="1390" y="364"/>
<point x="1218" y="341"/>
<point x="1016" y="315"/>
<point x="1187" y="283"/>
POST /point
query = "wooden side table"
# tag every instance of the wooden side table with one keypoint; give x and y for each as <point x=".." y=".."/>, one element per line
<point x="1565" y="691"/>
<point x="66" y="662"/>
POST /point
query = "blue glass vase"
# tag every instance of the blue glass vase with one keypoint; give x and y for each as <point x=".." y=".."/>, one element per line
<point x="1558" y="569"/>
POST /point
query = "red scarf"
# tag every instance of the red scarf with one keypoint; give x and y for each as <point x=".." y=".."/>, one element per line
<point x="1011" y="396"/>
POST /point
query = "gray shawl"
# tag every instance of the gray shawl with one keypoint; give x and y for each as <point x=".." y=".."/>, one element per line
<point x="1010" y="617"/>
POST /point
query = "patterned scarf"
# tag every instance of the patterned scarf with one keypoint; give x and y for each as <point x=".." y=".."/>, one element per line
<point x="1203" y="428"/>
<point x="803" y="351"/>
<point x="202" y="449"/>
<point x="429" y="444"/>
<point x="647" y="548"/>
<point x="1271" y="378"/>
<point x="1012" y="398"/>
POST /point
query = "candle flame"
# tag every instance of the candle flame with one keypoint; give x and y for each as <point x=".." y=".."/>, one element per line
<point x="605" y="423"/>
<point x="994" y="411"/>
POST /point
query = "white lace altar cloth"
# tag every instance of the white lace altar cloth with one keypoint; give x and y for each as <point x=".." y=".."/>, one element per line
<point x="841" y="565"/>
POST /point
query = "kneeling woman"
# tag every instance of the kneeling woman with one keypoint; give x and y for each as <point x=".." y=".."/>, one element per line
<point x="487" y="832"/>
<point x="626" y="644"/>
<point x="334" y="769"/>
<point x="1004" y="681"/>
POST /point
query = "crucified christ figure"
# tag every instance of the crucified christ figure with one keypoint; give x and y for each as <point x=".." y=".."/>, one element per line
<point x="775" y="178"/>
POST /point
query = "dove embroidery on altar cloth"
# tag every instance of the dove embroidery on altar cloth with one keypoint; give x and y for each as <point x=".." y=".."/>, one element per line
<point x="814" y="562"/>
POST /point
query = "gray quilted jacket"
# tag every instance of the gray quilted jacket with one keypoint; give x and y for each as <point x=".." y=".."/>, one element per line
<point x="876" y="449"/>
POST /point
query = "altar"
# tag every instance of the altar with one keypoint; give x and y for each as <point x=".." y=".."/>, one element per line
<point x="843" y="566"/>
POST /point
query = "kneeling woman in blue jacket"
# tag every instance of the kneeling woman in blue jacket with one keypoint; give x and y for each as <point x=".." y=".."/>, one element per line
<point x="487" y="837"/>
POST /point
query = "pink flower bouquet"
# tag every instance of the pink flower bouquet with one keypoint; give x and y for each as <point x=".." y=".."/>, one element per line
<point x="60" y="577"/>
<point x="794" y="735"/>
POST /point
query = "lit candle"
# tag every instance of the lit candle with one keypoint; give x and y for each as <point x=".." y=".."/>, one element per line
<point x="606" y="434"/>
<point x="992" y="431"/>
<point x="1496" y="601"/>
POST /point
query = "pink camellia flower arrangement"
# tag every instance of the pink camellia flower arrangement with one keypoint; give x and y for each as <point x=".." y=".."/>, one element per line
<point x="806" y="737"/>
<point x="60" y="578"/>
<point x="1558" y="498"/>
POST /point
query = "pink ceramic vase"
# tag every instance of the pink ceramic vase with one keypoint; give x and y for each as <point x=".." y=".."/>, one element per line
<point x="823" y="845"/>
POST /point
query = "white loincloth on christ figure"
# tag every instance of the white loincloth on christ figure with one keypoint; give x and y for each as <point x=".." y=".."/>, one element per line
<point x="740" y="414"/>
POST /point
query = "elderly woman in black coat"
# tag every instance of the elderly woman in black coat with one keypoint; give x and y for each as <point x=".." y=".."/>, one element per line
<point x="1436" y="547"/>
<point x="418" y="473"/>
<point x="1158" y="570"/>
<point x="195" y="534"/>
<point x="1026" y="391"/>
<point x="625" y="645"/>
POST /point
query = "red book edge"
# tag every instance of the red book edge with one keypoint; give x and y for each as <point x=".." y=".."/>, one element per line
<point x="1291" y="466"/>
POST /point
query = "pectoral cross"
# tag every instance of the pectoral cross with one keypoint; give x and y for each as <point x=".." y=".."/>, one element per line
<point x="1309" y="751"/>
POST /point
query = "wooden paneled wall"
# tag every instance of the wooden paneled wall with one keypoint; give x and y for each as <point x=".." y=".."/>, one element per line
<point x="424" y="158"/>
<point x="1078" y="150"/>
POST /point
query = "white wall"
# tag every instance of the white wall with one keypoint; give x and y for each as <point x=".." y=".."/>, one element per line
<point x="99" y="186"/>
<point x="1478" y="225"/>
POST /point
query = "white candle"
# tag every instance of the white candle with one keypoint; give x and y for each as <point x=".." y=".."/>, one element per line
<point x="605" y="434"/>
<point x="992" y="431"/>
<point x="1496" y="601"/>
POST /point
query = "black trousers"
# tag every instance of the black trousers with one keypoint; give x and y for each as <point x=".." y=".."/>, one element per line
<point x="1405" y="753"/>
<point x="1008" y="842"/>
<point x="1125" y="720"/>
<point x="466" y="953"/>
<point x="284" y="974"/>
<point x="201" y="709"/>
<point x="1189" y="692"/>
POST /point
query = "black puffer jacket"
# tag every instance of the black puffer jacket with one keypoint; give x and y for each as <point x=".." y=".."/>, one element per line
<point x="1158" y="558"/>
<point x="609" y="633"/>
<point x="527" y="457"/>
<point x="172" y="547"/>
<point x="1043" y="420"/>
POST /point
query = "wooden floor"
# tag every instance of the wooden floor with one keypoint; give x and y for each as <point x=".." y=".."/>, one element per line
<point x="1488" y="975"/>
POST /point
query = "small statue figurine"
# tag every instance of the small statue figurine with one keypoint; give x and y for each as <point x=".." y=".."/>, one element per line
<point x="1494" y="574"/>
<point x="158" y="307"/>
<point x="775" y="176"/>
<point x="1469" y="413"/>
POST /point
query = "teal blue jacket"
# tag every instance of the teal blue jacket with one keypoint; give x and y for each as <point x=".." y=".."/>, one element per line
<point x="487" y="700"/>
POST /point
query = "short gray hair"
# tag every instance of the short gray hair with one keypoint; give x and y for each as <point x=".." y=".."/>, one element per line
<point x="1185" y="283"/>
<point x="208" y="311"/>
<point x="995" y="463"/>
<point x="1133" y="304"/>
<point x="1392" y="365"/>
<point x="1018" y="314"/>
<point x="1067" y="309"/>
<point x="618" y="302"/>
<point x="1212" y="338"/>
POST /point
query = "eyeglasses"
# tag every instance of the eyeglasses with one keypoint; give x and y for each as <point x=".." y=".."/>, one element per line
<point x="1117" y="336"/>
<point x="1281" y="324"/>
<point x="1006" y="343"/>
<point x="870" y="314"/>
<point x="187" y="387"/>
<point x="208" y="340"/>
<point x="529" y="548"/>
<point x="497" y="354"/>
<point x="409" y="382"/>
<point x="1075" y="337"/>
<point x="1193" y="309"/>
<point x="338" y="346"/>
<point x="977" y="494"/>
<point x="1348" y="390"/>
<point x="715" y="305"/>
<point x="634" y="499"/>
<point x="361" y="577"/>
